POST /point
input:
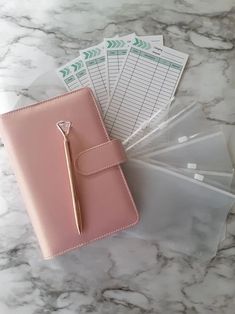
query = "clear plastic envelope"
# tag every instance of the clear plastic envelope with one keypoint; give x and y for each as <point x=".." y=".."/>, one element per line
<point x="45" y="86"/>
<point x="207" y="152"/>
<point x="222" y="180"/>
<point x="187" y="123"/>
<point x="180" y="213"/>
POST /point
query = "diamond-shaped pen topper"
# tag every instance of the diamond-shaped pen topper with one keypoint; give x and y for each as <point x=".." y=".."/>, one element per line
<point x="64" y="127"/>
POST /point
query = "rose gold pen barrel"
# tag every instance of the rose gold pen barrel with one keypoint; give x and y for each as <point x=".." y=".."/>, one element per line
<point x="64" y="127"/>
<point x="76" y="205"/>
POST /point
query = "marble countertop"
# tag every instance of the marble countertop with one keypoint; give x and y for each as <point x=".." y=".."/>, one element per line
<point x="113" y="276"/>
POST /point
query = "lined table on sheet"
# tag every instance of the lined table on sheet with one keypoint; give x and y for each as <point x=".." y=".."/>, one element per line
<point x="74" y="74"/>
<point x="96" y="71"/>
<point x="82" y="78"/>
<point x="115" y="59"/>
<point x="146" y="84"/>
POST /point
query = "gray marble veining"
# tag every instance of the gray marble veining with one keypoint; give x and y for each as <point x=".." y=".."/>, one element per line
<point x="113" y="276"/>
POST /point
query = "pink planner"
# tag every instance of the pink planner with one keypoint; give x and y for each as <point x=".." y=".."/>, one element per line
<point x="72" y="183"/>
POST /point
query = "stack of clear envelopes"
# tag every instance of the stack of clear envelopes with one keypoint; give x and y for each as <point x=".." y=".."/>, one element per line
<point x="180" y="173"/>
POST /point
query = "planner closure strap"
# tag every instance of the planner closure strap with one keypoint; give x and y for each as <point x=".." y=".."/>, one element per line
<point x="100" y="157"/>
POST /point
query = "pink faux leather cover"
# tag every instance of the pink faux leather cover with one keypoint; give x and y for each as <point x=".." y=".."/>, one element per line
<point x="37" y="153"/>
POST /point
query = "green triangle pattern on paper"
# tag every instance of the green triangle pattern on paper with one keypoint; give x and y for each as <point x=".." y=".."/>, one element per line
<point x="77" y="66"/>
<point x="65" y="71"/>
<point x="118" y="43"/>
<point x="141" y="43"/>
<point x="91" y="53"/>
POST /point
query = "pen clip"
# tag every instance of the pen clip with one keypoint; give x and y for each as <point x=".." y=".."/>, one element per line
<point x="65" y="127"/>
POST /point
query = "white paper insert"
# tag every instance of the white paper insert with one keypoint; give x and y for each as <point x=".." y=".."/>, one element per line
<point x="74" y="74"/>
<point x="146" y="83"/>
<point x="116" y="50"/>
<point x="94" y="60"/>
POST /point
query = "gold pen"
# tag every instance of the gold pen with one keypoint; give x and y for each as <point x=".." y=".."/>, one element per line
<point x="64" y="127"/>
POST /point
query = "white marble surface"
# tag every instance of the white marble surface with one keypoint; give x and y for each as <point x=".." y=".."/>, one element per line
<point x="113" y="275"/>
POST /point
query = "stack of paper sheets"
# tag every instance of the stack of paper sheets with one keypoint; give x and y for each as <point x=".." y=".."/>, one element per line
<point x="180" y="170"/>
<point x="132" y="78"/>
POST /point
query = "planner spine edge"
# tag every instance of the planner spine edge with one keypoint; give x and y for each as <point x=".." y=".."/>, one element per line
<point x="27" y="196"/>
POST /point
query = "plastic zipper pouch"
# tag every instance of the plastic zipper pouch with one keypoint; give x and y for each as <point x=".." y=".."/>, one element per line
<point x="209" y="153"/>
<point x="187" y="123"/>
<point x="180" y="213"/>
<point x="222" y="180"/>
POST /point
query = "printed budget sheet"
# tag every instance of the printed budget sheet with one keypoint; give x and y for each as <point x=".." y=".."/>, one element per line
<point x="146" y="83"/>
<point x="74" y="74"/>
<point x="95" y="63"/>
<point x="116" y="50"/>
